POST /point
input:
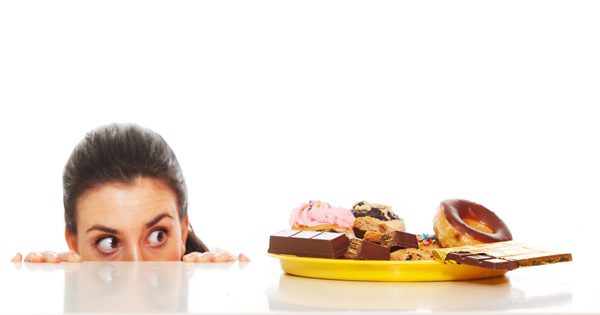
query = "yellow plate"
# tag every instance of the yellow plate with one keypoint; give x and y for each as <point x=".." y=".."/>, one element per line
<point x="378" y="270"/>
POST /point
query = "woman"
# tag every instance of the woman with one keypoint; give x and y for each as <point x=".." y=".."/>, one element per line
<point x="125" y="198"/>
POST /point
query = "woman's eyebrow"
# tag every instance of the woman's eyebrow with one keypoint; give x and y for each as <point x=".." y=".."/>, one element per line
<point x="103" y="228"/>
<point x="158" y="218"/>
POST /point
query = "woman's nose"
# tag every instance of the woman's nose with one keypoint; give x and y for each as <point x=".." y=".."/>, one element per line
<point x="132" y="253"/>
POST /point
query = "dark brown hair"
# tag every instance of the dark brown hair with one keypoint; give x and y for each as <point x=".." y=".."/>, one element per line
<point x="122" y="153"/>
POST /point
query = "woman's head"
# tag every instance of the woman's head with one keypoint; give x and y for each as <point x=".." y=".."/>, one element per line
<point x="121" y="186"/>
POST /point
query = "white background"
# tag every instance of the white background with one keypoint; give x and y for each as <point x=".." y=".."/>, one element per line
<point x="269" y="104"/>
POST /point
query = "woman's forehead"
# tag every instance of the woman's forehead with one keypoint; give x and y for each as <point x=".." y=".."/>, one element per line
<point x="126" y="204"/>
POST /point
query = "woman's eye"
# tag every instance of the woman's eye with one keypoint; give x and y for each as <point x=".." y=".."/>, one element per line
<point x="108" y="244"/>
<point x="157" y="238"/>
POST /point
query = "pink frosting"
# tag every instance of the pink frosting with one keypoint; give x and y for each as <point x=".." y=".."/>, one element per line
<point x="319" y="213"/>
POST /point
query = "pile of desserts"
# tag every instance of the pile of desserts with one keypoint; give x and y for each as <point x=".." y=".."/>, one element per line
<point x="465" y="233"/>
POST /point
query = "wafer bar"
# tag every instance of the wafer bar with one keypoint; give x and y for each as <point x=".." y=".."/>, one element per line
<point x="397" y="240"/>
<point x="365" y="250"/>
<point x="525" y="255"/>
<point x="308" y="243"/>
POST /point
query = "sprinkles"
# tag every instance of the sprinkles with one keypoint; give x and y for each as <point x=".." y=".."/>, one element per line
<point x="426" y="240"/>
<point x="316" y="203"/>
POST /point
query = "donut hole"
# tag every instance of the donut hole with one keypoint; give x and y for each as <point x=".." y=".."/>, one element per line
<point x="478" y="225"/>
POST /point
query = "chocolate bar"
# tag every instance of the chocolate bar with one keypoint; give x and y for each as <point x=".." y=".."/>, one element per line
<point x="309" y="243"/>
<point x="525" y="255"/>
<point x="483" y="261"/>
<point x="365" y="250"/>
<point x="397" y="240"/>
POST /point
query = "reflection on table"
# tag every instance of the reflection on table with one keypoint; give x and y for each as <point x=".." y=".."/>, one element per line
<point x="129" y="287"/>
<point x="125" y="287"/>
<point x="262" y="287"/>
<point x="493" y="294"/>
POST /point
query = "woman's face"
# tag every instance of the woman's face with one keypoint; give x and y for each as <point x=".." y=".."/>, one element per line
<point x="135" y="222"/>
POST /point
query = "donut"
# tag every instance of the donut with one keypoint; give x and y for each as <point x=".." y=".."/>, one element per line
<point x="460" y="222"/>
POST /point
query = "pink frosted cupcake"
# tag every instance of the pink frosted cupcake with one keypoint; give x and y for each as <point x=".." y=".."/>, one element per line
<point x="320" y="216"/>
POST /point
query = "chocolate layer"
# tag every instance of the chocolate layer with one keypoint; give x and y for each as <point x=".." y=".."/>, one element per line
<point x="373" y="210"/>
<point x="483" y="261"/>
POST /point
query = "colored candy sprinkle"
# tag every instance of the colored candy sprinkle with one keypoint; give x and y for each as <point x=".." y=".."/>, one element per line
<point x="426" y="239"/>
<point x="316" y="203"/>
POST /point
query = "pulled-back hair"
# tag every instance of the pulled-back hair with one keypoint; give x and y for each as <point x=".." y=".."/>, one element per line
<point x="123" y="153"/>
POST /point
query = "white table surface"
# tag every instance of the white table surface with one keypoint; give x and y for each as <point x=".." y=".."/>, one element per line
<point x="261" y="287"/>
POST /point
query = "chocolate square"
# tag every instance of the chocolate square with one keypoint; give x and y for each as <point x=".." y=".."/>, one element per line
<point x="398" y="240"/>
<point x="279" y="243"/>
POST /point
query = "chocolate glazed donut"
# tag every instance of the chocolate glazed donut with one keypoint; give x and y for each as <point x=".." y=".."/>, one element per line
<point x="456" y="209"/>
